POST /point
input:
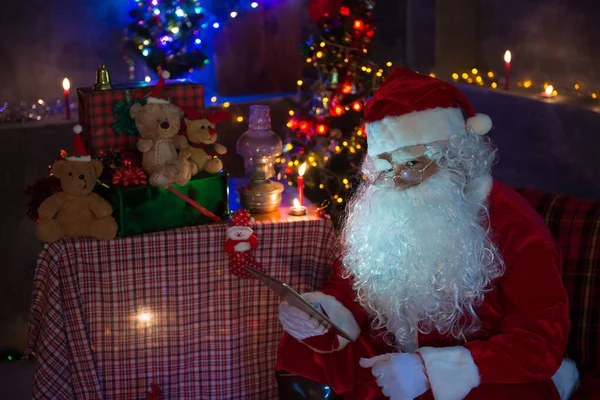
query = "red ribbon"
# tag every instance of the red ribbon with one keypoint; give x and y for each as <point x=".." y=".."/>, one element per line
<point x="130" y="176"/>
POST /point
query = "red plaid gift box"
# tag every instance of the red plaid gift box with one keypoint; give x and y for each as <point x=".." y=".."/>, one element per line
<point x="96" y="112"/>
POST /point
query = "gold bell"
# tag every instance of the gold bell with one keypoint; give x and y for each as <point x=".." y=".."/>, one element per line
<point x="103" y="81"/>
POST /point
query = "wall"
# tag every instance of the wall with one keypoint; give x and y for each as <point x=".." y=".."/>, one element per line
<point x="43" y="41"/>
<point x="551" y="40"/>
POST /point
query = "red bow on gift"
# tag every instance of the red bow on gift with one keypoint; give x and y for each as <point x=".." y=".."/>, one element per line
<point x="319" y="8"/>
<point x="126" y="176"/>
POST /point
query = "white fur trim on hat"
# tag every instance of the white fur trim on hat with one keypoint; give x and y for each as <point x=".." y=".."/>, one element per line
<point x="479" y="125"/>
<point x="77" y="128"/>
<point x="338" y="313"/>
<point x="81" y="158"/>
<point x="451" y="370"/>
<point x="418" y="127"/>
<point x="154" y="100"/>
<point x="165" y="74"/>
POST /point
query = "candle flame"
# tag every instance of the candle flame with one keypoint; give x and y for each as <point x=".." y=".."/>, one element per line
<point x="549" y="90"/>
<point x="302" y="169"/>
<point x="507" y="56"/>
<point x="66" y="84"/>
<point x="296" y="203"/>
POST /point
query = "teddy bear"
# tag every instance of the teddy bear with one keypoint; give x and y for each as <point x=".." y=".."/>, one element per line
<point x="158" y="122"/>
<point x="204" y="149"/>
<point x="76" y="211"/>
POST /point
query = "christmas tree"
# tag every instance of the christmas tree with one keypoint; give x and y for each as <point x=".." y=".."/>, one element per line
<point x="326" y="130"/>
<point x="168" y="34"/>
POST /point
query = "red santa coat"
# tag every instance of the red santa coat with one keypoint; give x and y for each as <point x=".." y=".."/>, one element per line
<point x="525" y="324"/>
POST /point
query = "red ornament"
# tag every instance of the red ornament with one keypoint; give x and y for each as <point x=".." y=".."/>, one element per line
<point x="289" y="170"/>
<point x="337" y="111"/>
<point x="370" y="33"/>
<point x="321" y="129"/>
<point x="357" y="106"/>
<point x="359" y="25"/>
<point x="126" y="176"/>
<point x="303" y="126"/>
<point x="293" y="123"/>
<point x="345" y="11"/>
<point x="347" y="88"/>
<point x="318" y="9"/>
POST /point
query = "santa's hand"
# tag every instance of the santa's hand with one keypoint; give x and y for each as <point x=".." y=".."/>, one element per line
<point x="401" y="376"/>
<point x="299" y="324"/>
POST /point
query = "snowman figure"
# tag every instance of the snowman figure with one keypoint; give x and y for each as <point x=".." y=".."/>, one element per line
<point x="240" y="242"/>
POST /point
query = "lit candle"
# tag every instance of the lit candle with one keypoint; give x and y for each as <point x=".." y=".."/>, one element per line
<point x="550" y="92"/>
<point x="66" y="87"/>
<point x="301" y="172"/>
<point x="297" y="209"/>
<point x="507" y="59"/>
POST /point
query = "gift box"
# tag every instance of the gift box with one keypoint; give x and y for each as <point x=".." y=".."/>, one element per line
<point x="99" y="109"/>
<point x="148" y="209"/>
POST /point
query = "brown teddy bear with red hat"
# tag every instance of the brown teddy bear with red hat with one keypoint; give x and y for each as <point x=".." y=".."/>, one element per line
<point x="76" y="211"/>
<point x="240" y="242"/>
<point x="204" y="151"/>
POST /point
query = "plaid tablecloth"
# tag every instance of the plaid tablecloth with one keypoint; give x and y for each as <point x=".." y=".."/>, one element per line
<point x="108" y="319"/>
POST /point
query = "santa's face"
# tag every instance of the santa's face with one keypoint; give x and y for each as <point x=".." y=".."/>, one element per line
<point x="420" y="257"/>
<point x="239" y="233"/>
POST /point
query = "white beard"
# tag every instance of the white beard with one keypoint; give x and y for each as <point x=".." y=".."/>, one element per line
<point x="421" y="258"/>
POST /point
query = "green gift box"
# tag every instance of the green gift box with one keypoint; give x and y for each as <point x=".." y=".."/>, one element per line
<point x="147" y="209"/>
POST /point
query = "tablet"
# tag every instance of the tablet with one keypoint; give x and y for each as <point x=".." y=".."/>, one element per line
<point x="285" y="292"/>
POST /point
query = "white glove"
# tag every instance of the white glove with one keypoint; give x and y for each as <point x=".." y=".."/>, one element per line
<point x="401" y="376"/>
<point x="299" y="324"/>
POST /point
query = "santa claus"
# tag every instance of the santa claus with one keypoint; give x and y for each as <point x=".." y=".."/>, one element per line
<point x="449" y="282"/>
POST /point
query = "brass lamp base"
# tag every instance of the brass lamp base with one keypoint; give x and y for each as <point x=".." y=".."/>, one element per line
<point x="261" y="197"/>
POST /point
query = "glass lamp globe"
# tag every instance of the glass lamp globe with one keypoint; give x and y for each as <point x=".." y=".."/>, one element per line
<point x="259" y="146"/>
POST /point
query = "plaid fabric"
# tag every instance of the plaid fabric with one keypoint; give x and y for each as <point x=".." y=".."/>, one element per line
<point x="575" y="224"/>
<point x="96" y="113"/>
<point x="108" y="319"/>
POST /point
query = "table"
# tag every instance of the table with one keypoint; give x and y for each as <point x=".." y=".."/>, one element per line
<point x="108" y="319"/>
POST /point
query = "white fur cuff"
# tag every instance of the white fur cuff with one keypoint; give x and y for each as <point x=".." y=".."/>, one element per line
<point x="338" y="313"/>
<point x="451" y="371"/>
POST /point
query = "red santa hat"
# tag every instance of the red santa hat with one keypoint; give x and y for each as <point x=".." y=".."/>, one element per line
<point x="158" y="95"/>
<point x="410" y="109"/>
<point x="240" y="220"/>
<point x="78" y="151"/>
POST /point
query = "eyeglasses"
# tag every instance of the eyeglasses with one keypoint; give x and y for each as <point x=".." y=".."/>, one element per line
<point x="410" y="175"/>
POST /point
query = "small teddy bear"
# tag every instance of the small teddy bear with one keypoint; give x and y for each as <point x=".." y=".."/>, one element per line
<point x="240" y="241"/>
<point x="204" y="152"/>
<point x="158" y="123"/>
<point x="76" y="211"/>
